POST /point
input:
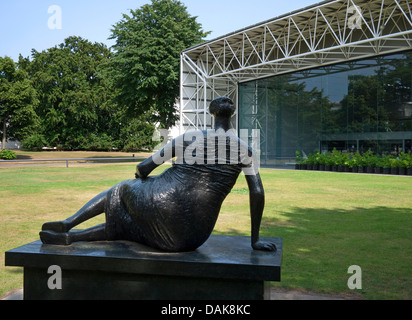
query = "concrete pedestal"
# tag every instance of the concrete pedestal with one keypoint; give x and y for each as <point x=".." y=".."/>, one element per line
<point x="225" y="268"/>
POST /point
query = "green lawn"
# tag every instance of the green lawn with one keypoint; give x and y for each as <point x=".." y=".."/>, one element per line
<point x="329" y="221"/>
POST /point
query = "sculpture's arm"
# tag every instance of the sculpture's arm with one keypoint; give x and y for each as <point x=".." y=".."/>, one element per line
<point x="257" y="204"/>
<point x="144" y="168"/>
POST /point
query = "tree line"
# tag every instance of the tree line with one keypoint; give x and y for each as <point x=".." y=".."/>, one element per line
<point x="81" y="95"/>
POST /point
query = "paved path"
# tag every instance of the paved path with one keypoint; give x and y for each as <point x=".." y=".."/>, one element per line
<point x="13" y="295"/>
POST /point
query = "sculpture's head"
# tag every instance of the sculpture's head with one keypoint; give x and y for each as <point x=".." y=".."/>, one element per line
<point x="222" y="107"/>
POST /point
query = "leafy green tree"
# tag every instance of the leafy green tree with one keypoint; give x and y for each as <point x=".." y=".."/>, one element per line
<point x="137" y="135"/>
<point x="18" y="102"/>
<point x="145" y="66"/>
<point x="75" y="99"/>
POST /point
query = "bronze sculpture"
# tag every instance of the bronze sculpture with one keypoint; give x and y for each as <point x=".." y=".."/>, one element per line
<point x="177" y="210"/>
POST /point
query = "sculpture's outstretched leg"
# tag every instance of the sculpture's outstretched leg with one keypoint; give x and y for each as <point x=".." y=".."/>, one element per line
<point x="97" y="233"/>
<point x="92" y="209"/>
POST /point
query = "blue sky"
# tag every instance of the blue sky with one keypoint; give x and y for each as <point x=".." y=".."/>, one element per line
<point x="24" y="23"/>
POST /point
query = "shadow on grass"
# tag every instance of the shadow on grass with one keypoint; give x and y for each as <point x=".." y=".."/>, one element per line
<point x="23" y="157"/>
<point x="319" y="245"/>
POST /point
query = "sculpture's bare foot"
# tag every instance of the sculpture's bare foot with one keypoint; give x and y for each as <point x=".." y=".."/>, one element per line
<point x="60" y="239"/>
<point x="59" y="226"/>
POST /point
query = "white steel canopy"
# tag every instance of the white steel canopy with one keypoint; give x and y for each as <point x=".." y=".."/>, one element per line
<point x="326" y="33"/>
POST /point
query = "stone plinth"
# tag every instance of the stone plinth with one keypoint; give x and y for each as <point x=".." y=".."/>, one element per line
<point x="224" y="268"/>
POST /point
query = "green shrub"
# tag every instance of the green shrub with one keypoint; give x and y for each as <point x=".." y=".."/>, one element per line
<point x="35" y="142"/>
<point x="379" y="162"/>
<point x="355" y="160"/>
<point x="321" y="159"/>
<point x="7" y="155"/>
<point x="299" y="158"/>
<point x="99" y="143"/>
<point x="368" y="159"/>
<point x="394" y="163"/>
<point x="338" y="158"/>
<point x="311" y="159"/>
<point x="386" y="161"/>
<point x="406" y="160"/>
<point x="329" y="160"/>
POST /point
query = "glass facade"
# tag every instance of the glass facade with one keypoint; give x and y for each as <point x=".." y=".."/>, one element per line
<point x="359" y="105"/>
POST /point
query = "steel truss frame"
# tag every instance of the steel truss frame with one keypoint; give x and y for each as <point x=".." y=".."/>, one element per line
<point x="326" y="33"/>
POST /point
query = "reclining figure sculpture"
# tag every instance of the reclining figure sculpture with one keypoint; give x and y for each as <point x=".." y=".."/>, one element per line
<point x="177" y="210"/>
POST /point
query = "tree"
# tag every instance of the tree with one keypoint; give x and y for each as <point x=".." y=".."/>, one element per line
<point x="145" y="66"/>
<point x="18" y="102"/>
<point x="75" y="99"/>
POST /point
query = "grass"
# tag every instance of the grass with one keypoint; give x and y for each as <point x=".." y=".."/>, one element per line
<point x="331" y="221"/>
<point x="328" y="221"/>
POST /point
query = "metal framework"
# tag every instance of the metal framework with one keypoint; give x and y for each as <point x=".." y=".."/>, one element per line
<point x="325" y="33"/>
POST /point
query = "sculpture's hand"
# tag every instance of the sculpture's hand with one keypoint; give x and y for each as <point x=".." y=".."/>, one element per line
<point x="264" y="246"/>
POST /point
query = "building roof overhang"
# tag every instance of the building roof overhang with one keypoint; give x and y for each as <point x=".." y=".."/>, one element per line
<point x="326" y="33"/>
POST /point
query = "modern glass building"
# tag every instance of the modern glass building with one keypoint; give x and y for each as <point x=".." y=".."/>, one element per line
<point x="361" y="105"/>
<point x="334" y="75"/>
